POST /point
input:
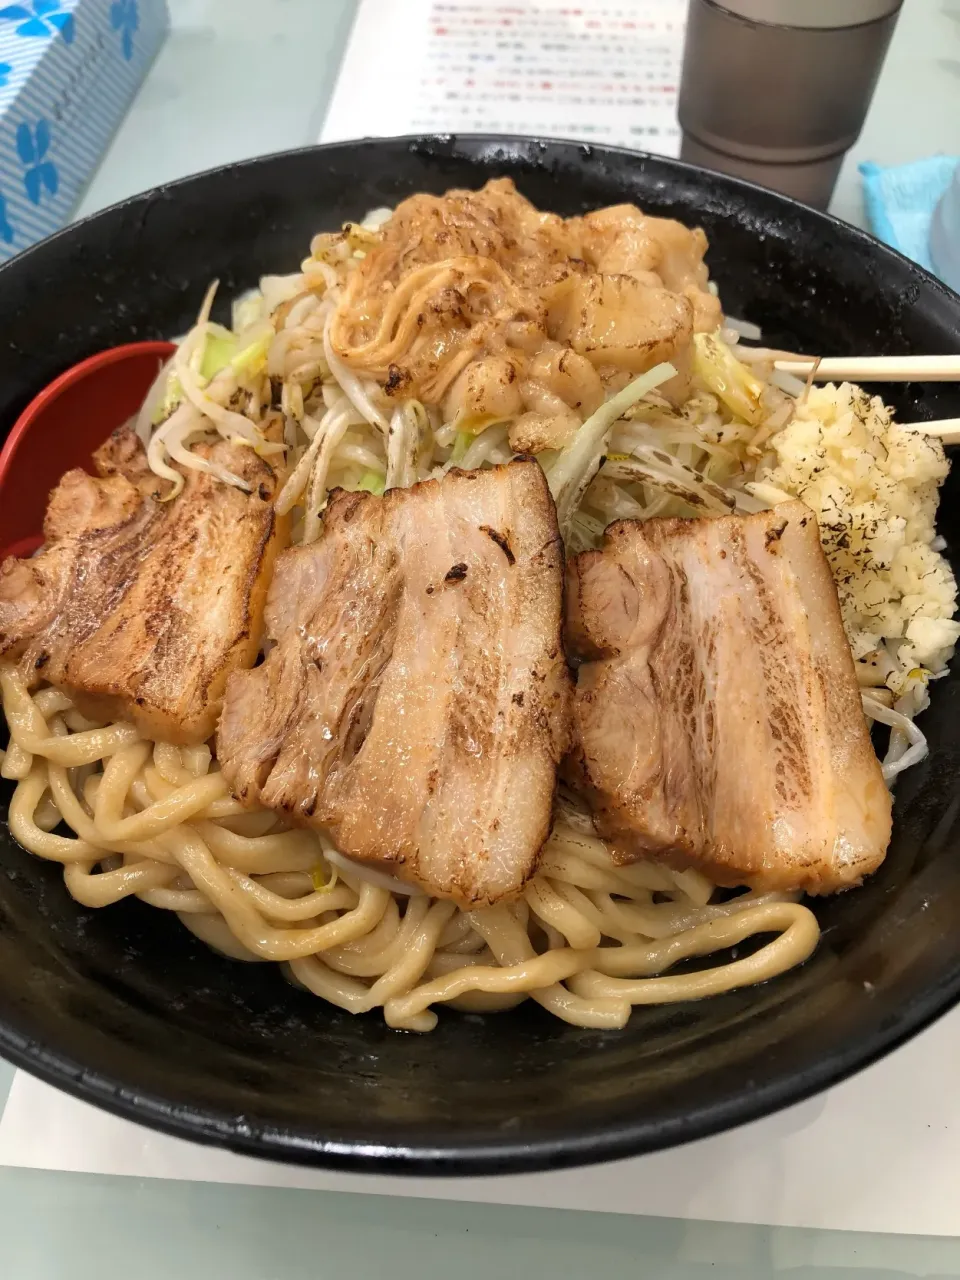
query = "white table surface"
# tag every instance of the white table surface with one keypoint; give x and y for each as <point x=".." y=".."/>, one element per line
<point x="239" y="78"/>
<point x="202" y="104"/>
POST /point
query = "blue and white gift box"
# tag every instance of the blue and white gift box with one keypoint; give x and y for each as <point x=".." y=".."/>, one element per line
<point x="68" y="71"/>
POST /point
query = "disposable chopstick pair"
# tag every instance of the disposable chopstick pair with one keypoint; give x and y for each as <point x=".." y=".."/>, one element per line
<point x="886" y="369"/>
<point x="871" y="369"/>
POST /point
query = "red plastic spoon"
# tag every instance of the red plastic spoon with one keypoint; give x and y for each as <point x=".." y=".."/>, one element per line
<point x="62" y="426"/>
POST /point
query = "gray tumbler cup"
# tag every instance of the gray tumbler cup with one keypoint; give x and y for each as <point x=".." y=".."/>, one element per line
<point x="777" y="90"/>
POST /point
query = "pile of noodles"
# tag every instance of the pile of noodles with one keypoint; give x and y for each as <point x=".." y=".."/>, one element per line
<point x="588" y="939"/>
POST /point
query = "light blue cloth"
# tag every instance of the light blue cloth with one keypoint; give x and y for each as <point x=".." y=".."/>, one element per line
<point x="900" y="201"/>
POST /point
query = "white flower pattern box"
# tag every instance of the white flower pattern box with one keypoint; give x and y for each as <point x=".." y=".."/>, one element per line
<point x="68" y="71"/>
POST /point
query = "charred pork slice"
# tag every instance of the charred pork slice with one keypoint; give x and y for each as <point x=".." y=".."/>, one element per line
<point x="140" y="608"/>
<point x="416" y="702"/>
<point x="717" y="716"/>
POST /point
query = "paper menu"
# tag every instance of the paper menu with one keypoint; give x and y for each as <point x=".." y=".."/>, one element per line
<point x="594" y="71"/>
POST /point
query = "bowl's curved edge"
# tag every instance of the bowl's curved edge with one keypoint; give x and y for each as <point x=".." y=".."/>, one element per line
<point x="505" y="1156"/>
<point x="593" y="1146"/>
<point x="447" y="144"/>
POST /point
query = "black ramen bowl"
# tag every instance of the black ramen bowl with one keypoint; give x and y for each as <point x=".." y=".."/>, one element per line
<point x="125" y="1009"/>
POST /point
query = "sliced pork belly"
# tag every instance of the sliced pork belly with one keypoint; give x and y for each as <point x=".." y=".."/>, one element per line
<point x="416" y="702"/>
<point x="717" y="715"/>
<point x="140" y="608"/>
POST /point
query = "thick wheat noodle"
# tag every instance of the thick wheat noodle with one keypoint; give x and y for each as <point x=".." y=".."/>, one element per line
<point x="226" y="807"/>
<point x="168" y="763"/>
<point x="581" y="904"/>
<point x="614" y="920"/>
<point x="47" y="815"/>
<point x="306" y="906"/>
<point x="694" y="884"/>
<point x="374" y="954"/>
<point x="795" y="924"/>
<point x="243" y="918"/>
<point x="147" y="787"/>
<point x="592" y="852"/>
<point x="574" y="869"/>
<point x="106" y="887"/>
<point x="76" y="817"/>
<point x="444" y="962"/>
<point x="51" y="702"/>
<point x="151" y="824"/>
<point x="253" y="824"/>
<point x="396" y="336"/>
<point x="510" y="943"/>
<point x="393" y="337"/>
<point x="301" y="906"/>
<point x="409" y="967"/>
<point x="552" y="908"/>
<point x="16" y="763"/>
<point x="426" y="279"/>
<point x="796" y="942"/>
<point x="196" y="760"/>
<point x="178" y="807"/>
<point x="460" y="938"/>
<point x="653" y="922"/>
<point x="44" y="844"/>
<point x="184" y="902"/>
<point x="29" y="730"/>
<point x="294" y="884"/>
<point x="282" y="851"/>
<point x="337" y="988"/>
<point x="457" y="930"/>
<point x="476" y="1001"/>
<point x="215" y="932"/>
<point x="257" y="855"/>
<point x="799" y="936"/>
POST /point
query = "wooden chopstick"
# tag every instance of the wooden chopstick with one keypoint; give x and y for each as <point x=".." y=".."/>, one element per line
<point x="946" y="430"/>
<point x="875" y="368"/>
<point x="871" y="369"/>
<point x="764" y="355"/>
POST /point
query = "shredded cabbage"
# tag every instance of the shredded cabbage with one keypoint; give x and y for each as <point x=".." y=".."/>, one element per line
<point x="461" y="443"/>
<point x="253" y="358"/>
<point x="373" y="482"/>
<point x="729" y="379"/>
<point x="405" y="444"/>
<point x="577" y="464"/>
<point x="218" y="351"/>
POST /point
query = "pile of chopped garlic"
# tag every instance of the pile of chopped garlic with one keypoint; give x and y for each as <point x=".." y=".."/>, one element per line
<point x="874" y="486"/>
